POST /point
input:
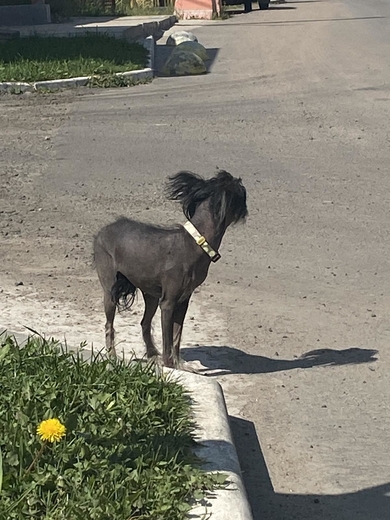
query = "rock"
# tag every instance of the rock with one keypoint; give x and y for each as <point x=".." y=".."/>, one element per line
<point x="194" y="47"/>
<point x="184" y="64"/>
<point x="181" y="36"/>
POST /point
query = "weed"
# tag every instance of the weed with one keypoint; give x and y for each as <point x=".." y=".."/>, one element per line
<point x="120" y="443"/>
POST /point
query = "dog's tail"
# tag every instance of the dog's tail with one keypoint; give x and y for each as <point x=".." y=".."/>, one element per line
<point x="123" y="292"/>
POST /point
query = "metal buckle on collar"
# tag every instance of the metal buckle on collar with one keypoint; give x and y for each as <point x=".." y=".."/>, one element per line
<point x="202" y="242"/>
<point x="215" y="258"/>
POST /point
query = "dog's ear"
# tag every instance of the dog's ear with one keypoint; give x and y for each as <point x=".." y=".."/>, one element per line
<point x="224" y="177"/>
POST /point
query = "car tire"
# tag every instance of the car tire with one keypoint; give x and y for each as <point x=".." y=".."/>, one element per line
<point x="263" y="4"/>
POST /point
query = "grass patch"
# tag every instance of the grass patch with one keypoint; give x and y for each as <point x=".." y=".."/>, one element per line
<point x="43" y="58"/>
<point x="128" y="448"/>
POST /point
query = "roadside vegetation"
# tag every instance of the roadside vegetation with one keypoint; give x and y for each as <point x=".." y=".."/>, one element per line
<point x="93" y="439"/>
<point x="40" y="58"/>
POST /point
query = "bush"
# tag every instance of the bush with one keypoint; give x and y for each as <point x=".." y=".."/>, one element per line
<point x="126" y="451"/>
<point x="63" y="9"/>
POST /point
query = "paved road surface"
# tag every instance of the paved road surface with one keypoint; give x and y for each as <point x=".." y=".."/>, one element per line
<point x="298" y="103"/>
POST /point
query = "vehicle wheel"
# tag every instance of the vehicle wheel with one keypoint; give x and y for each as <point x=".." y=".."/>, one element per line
<point x="263" y="4"/>
<point x="248" y="6"/>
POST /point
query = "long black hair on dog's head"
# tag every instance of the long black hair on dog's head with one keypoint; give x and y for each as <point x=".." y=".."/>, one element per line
<point x="226" y="193"/>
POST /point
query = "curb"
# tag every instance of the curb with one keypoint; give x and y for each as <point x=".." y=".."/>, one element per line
<point x="131" y="33"/>
<point x="152" y="28"/>
<point x="216" y="448"/>
<point x="216" y="445"/>
<point x="150" y="45"/>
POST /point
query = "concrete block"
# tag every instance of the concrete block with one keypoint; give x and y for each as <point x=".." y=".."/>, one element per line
<point x="150" y="28"/>
<point x="133" y="33"/>
<point x="15" y="15"/>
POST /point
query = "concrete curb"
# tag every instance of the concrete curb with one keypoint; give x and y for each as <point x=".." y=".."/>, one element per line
<point x="8" y="34"/>
<point x="135" y="75"/>
<point x="150" y="45"/>
<point x="216" y="445"/>
<point x="217" y="448"/>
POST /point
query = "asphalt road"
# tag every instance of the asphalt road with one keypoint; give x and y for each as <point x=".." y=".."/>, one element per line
<point x="296" y="314"/>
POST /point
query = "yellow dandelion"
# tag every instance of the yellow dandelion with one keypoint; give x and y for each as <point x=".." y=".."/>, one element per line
<point x="51" y="430"/>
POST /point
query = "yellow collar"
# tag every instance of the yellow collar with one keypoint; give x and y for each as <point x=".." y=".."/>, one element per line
<point x="201" y="241"/>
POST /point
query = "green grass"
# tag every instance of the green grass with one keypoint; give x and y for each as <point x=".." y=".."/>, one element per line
<point x="45" y="58"/>
<point x="128" y="449"/>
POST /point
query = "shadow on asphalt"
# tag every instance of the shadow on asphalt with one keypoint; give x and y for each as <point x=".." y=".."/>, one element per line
<point x="228" y="360"/>
<point x="164" y="51"/>
<point x="366" y="504"/>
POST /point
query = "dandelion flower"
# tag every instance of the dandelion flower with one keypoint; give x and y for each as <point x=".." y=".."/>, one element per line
<point x="51" y="430"/>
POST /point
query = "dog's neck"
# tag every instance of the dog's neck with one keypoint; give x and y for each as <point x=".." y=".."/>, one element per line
<point x="204" y="223"/>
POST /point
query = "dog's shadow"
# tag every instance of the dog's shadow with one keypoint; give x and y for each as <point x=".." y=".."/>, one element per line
<point x="221" y="360"/>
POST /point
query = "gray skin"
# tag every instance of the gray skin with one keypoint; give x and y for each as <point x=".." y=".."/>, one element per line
<point x="166" y="264"/>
